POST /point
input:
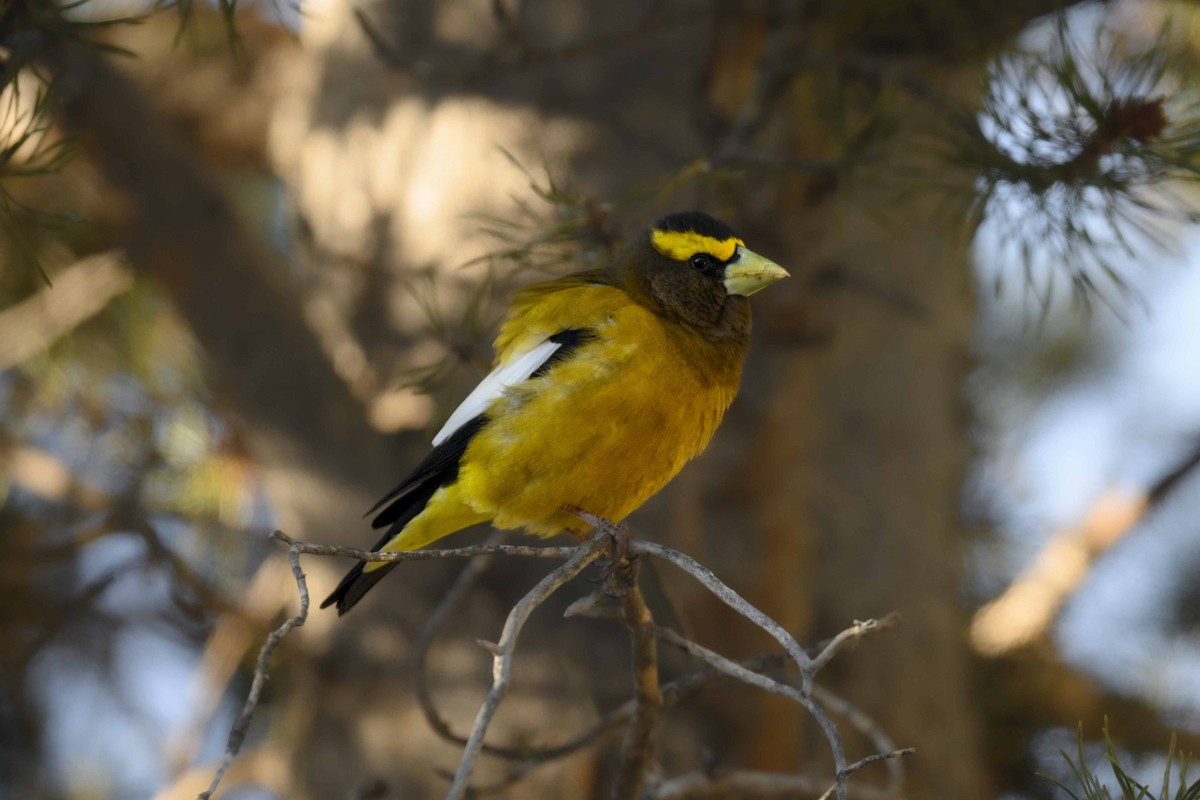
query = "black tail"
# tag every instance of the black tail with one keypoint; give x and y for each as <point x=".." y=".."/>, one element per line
<point x="357" y="583"/>
<point x="439" y="468"/>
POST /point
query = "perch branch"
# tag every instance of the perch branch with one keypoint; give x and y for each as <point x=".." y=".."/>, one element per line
<point x="472" y="551"/>
<point x="641" y="714"/>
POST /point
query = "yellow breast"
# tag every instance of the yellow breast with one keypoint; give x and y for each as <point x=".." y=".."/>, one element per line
<point x="608" y="427"/>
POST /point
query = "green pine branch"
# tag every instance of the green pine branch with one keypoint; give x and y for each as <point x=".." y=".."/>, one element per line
<point x="1089" y="785"/>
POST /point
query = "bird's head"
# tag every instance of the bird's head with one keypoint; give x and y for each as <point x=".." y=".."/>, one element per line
<point x="696" y="270"/>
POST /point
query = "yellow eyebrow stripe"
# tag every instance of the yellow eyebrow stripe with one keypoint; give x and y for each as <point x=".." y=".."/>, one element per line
<point x="682" y="245"/>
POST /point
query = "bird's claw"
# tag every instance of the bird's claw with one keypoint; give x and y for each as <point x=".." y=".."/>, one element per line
<point x="620" y="574"/>
<point x="620" y="568"/>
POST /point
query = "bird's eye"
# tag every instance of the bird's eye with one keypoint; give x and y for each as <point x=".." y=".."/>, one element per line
<point x="700" y="262"/>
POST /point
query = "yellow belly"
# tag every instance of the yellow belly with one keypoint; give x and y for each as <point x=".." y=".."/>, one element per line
<point x="602" y="431"/>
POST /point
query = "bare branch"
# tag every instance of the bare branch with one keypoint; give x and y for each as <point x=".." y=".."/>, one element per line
<point x="732" y="599"/>
<point x="746" y="784"/>
<point x="862" y="762"/>
<point x="749" y="785"/>
<point x="232" y="636"/>
<point x="804" y="698"/>
<point x="874" y="733"/>
<point x="266" y="768"/>
<point x="643" y="712"/>
<point x="856" y="631"/>
<point x="462" y="584"/>
<point x="472" y="551"/>
<point x="237" y="734"/>
<point x="673" y="693"/>
<point x="529" y="758"/>
<point x="502" y="661"/>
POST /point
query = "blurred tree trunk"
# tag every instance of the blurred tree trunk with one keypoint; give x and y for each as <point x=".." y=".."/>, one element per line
<point x="303" y="425"/>
<point x="843" y="478"/>
<point x="861" y="459"/>
<point x="847" y="487"/>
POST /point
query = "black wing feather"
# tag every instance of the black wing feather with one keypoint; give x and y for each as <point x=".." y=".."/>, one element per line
<point x="569" y="340"/>
<point x="357" y="583"/>
<point x="440" y="464"/>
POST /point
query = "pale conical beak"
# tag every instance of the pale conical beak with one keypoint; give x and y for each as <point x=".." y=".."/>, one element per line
<point x="749" y="272"/>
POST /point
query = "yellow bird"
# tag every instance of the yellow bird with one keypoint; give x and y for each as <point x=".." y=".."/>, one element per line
<point x="605" y="383"/>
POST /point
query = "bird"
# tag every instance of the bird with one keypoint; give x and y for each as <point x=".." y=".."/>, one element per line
<point x="604" y="384"/>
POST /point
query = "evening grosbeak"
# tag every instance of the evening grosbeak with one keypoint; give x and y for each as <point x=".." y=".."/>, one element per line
<point x="605" y="384"/>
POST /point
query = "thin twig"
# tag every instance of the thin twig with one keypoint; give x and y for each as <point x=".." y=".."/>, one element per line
<point x="472" y="551"/>
<point x="673" y="693"/>
<point x="503" y="654"/>
<point x="862" y="762"/>
<point x="870" y="729"/>
<point x="237" y="734"/>
<point x="641" y="713"/>
<point x="858" y="719"/>
<point x="852" y="714"/>
<point x="891" y="755"/>
<point x="750" y="785"/>
<point x="859" y="629"/>
<point x="802" y="697"/>
<point x="529" y="757"/>
<point x="234" y="634"/>
<point x="733" y="600"/>
<point x="420" y="655"/>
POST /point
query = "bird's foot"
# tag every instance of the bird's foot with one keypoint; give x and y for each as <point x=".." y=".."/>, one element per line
<point x="620" y="569"/>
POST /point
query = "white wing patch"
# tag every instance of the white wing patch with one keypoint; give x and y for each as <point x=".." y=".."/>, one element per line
<point x="492" y="386"/>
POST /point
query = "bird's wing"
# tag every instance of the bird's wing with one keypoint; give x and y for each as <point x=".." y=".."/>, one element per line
<point x="516" y="369"/>
<point x="469" y="418"/>
<point x="542" y="310"/>
<point x="546" y="322"/>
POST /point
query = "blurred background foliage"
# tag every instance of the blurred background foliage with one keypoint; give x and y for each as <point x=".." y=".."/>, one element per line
<point x="253" y="253"/>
